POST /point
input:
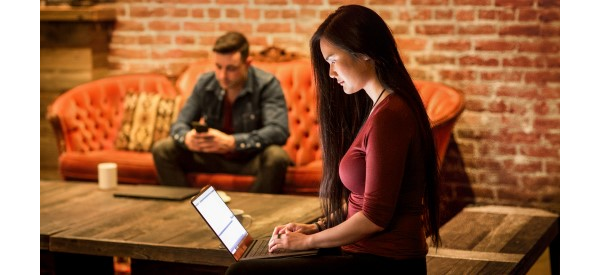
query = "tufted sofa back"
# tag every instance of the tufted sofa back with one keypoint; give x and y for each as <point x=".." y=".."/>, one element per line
<point x="443" y="105"/>
<point x="91" y="113"/>
<point x="87" y="119"/>
<point x="299" y="90"/>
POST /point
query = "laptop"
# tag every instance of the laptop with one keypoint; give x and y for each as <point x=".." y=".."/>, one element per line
<point x="231" y="232"/>
<point x="171" y="193"/>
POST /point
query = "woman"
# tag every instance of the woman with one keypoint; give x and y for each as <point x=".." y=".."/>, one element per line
<point x="380" y="182"/>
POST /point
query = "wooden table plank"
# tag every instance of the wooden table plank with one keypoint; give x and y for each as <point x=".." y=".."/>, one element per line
<point x="153" y="229"/>
<point x="493" y="240"/>
<point x="67" y="205"/>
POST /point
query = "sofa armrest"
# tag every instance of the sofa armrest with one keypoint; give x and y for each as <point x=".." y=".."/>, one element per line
<point x="88" y="117"/>
<point x="54" y="120"/>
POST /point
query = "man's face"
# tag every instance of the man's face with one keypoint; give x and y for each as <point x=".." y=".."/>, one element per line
<point x="231" y="70"/>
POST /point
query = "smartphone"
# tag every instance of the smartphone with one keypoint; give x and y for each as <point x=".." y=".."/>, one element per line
<point x="200" y="128"/>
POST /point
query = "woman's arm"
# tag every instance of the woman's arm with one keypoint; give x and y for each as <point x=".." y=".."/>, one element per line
<point x="350" y="231"/>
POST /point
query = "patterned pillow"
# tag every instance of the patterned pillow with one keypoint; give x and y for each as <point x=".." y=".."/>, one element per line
<point x="147" y="119"/>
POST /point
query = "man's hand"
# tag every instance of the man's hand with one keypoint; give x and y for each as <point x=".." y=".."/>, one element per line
<point x="213" y="141"/>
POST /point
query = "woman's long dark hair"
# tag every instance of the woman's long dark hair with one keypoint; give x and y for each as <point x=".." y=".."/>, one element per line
<point x="359" y="30"/>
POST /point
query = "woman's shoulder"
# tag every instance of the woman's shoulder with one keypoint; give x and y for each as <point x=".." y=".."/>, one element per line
<point x="394" y="114"/>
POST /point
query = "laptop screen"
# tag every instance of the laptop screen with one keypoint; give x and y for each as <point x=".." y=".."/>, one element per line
<point x="220" y="218"/>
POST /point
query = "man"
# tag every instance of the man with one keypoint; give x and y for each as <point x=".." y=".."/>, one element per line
<point x="246" y="113"/>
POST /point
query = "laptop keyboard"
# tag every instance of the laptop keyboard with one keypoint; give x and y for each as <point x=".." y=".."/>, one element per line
<point x="260" y="248"/>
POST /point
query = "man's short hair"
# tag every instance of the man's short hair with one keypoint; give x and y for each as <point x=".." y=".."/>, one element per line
<point x="232" y="42"/>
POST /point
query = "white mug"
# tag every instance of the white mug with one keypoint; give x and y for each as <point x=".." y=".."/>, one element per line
<point x="242" y="217"/>
<point x="107" y="175"/>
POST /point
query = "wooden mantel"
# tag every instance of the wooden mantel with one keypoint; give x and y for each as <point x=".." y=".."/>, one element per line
<point x="100" y="12"/>
<point x="74" y="44"/>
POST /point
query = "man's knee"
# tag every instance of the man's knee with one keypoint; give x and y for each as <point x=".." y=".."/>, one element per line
<point x="163" y="147"/>
<point x="275" y="155"/>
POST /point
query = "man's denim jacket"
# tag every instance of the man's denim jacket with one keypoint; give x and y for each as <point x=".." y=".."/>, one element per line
<point x="259" y="112"/>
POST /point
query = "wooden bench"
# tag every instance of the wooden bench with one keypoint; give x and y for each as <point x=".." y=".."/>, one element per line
<point x="495" y="240"/>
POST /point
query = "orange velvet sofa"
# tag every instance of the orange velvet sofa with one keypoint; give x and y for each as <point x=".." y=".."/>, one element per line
<point x="86" y="121"/>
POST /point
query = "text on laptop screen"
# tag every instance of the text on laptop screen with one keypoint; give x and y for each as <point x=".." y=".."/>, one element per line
<point x="220" y="218"/>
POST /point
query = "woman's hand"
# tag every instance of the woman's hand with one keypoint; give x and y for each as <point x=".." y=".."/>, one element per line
<point x="292" y="236"/>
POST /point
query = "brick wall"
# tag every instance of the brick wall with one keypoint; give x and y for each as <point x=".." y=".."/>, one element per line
<point x="504" y="55"/>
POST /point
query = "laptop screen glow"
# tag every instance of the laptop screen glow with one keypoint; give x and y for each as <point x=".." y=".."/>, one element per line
<point x="220" y="218"/>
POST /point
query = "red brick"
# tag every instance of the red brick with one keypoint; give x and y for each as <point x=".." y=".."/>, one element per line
<point x="126" y="25"/>
<point x="549" y="15"/>
<point x="415" y="44"/>
<point x="553" y="167"/>
<point x="546" y="123"/>
<point x="274" y="27"/>
<point x="309" y="2"/>
<point x="346" y="2"/>
<point x="232" y="13"/>
<point x="251" y="13"/>
<point x="498" y="106"/>
<point x="457" y="75"/>
<point x="240" y="27"/>
<point x="399" y="29"/>
<point x="435" y="29"/>
<point x="540" y="151"/>
<point x="185" y="39"/>
<point x="539" y="182"/>
<point x="176" y="53"/>
<point x="453" y="45"/>
<point x="269" y="2"/>
<point x="506" y="15"/>
<point x="520" y="30"/>
<point x="507" y="149"/>
<point x="549" y="3"/>
<point x="465" y="15"/>
<point x="523" y="61"/>
<point x="487" y="14"/>
<point x="429" y="2"/>
<point x="514" y="3"/>
<point x="473" y="2"/>
<point x="421" y="14"/>
<point x="476" y="89"/>
<point x="443" y="14"/>
<point x="214" y="13"/>
<point x="518" y="91"/>
<point x="287" y="14"/>
<point x="477" y="29"/>
<point x="528" y="14"/>
<point x="495" y="46"/>
<point x="540" y="46"/>
<point x="553" y="139"/>
<point x="475" y="104"/>
<point x="541" y="108"/>
<point x="163" y="26"/>
<point x="542" y="77"/>
<point x="550" y="31"/>
<point x="131" y="54"/>
<point x="198" y="13"/>
<point x="270" y="14"/>
<point x="501" y="76"/>
<point x="478" y="61"/>
<point x="517" y="194"/>
<point x="388" y="2"/>
<point x="200" y="26"/>
<point x="550" y="93"/>
<point x="529" y="166"/>
<point x="123" y="40"/>
<point x="435" y="59"/>
<point x="231" y="2"/>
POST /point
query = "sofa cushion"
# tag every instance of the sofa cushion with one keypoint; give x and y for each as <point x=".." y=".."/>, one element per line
<point x="147" y="118"/>
<point x="132" y="167"/>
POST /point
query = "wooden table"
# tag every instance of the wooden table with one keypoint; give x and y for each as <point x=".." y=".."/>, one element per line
<point x="495" y="240"/>
<point x="79" y="218"/>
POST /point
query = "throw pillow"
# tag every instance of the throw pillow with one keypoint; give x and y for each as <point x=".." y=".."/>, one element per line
<point x="147" y="119"/>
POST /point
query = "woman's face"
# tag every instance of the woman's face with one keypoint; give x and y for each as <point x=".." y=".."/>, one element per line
<point x="352" y="73"/>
